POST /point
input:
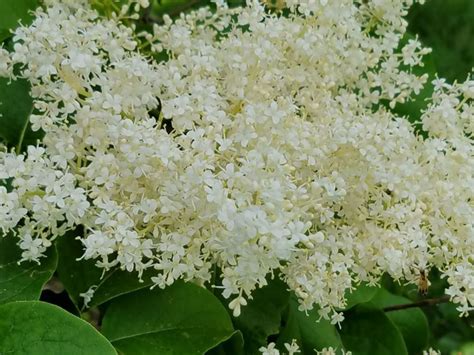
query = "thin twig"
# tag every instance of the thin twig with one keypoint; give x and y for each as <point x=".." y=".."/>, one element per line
<point x="422" y="303"/>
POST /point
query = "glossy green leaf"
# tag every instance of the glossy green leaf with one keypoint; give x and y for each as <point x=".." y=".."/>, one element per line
<point x="78" y="276"/>
<point x="368" y="331"/>
<point x="22" y="282"/>
<point x="309" y="331"/>
<point x="412" y="322"/>
<point x="234" y="345"/>
<point x="41" y="328"/>
<point x="16" y="106"/>
<point x="181" y="319"/>
<point x="261" y="317"/>
<point x="361" y="294"/>
<point x="12" y="12"/>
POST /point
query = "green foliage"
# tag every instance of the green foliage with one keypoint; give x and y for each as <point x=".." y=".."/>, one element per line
<point x="447" y="27"/>
<point x="234" y="345"/>
<point x="16" y="106"/>
<point x="78" y="275"/>
<point x="22" y="282"/>
<point x="181" y="319"/>
<point x="362" y="294"/>
<point x="448" y="331"/>
<point x="467" y="349"/>
<point x="309" y="330"/>
<point x="368" y="331"/>
<point x="411" y="322"/>
<point x="13" y="12"/>
<point x="40" y="328"/>
<point x="262" y="316"/>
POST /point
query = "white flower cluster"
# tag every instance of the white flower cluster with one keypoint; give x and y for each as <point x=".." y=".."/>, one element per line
<point x="332" y="351"/>
<point x="5" y="66"/>
<point x="273" y="152"/>
<point x="271" y="349"/>
<point x="431" y="351"/>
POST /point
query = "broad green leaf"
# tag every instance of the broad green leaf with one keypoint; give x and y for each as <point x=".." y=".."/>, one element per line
<point x="234" y="345"/>
<point x="41" y="328"/>
<point x="12" y="12"/>
<point x="309" y="331"/>
<point x="261" y="317"/>
<point x="368" y="331"/>
<point x="412" y="322"/>
<point x="22" y="282"/>
<point x="361" y="294"/>
<point x="16" y="106"/>
<point x="78" y="276"/>
<point x="181" y="319"/>
<point x="119" y="282"/>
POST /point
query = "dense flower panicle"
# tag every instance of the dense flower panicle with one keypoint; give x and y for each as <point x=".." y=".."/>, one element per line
<point x="272" y="154"/>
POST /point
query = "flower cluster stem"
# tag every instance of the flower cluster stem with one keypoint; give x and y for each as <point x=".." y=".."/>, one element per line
<point x="422" y="303"/>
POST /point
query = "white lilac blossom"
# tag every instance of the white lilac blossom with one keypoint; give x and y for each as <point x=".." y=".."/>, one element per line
<point x="88" y="295"/>
<point x="431" y="351"/>
<point x="273" y="153"/>
<point x="332" y="351"/>
<point x="271" y="349"/>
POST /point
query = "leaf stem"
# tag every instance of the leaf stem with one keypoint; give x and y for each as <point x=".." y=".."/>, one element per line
<point x="422" y="303"/>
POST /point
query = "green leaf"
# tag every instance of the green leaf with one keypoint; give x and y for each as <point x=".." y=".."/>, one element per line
<point x="16" y="106"/>
<point x="175" y="7"/>
<point x="234" y="345"/>
<point x="309" y="331"/>
<point x="412" y="322"/>
<point x="119" y="282"/>
<point x="368" y="331"/>
<point x="447" y="27"/>
<point x="181" y="319"/>
<point x="261" y="317"/>
<point x="361" y="294"/>
<point x="22" y="282"/>
<point x="41" y="328"/>
<point x="78" y="276"/>
<point x="12" y="12"/>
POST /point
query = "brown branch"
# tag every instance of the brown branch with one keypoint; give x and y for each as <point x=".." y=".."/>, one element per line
<point x="422" y="303"/>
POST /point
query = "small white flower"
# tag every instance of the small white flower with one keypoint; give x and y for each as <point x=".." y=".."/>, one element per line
<point x="88" y="295"/>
